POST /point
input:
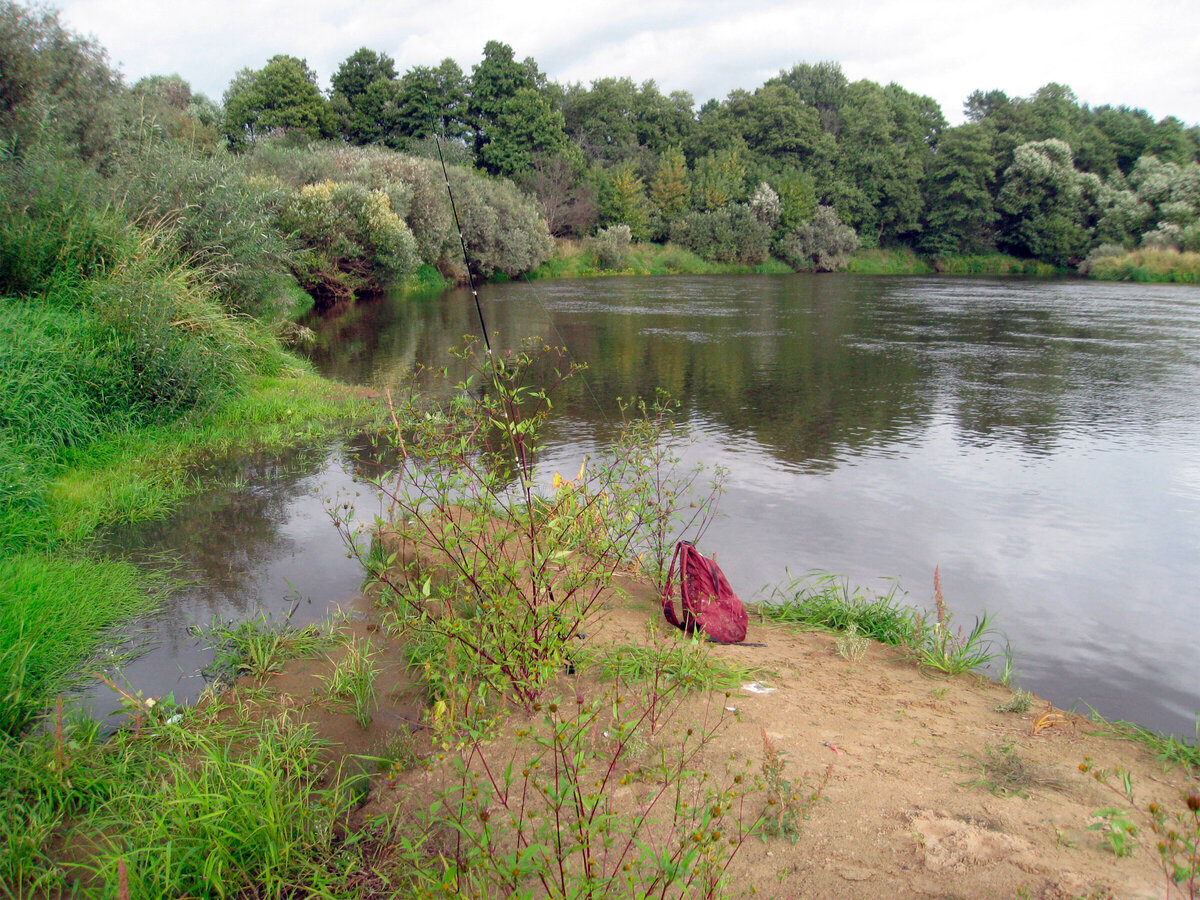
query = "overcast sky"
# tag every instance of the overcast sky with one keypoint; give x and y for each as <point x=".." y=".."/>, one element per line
<point x="1144" y="54"/>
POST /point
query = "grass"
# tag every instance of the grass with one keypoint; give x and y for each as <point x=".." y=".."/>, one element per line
<point x="1020" y="702"/>
<point x="258" y="647"/>
<point x="55" y="612"/>
<point x="994" y="264"/>
<point x="686" y="664"/>
<point x="1148" y="266"/>
<point x="572" y="260"/>
<point x="143" y="474"/>
<point x="828" y="603"/>
<point x="1170" y="748"/>
<point x="888" y="262"/>
<point x="353" y="680"/>
<point x="1004" y="773"/>
<point x="208" y="804"/>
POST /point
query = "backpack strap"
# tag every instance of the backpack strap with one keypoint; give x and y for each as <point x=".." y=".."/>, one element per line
<point x="668" y="598"/>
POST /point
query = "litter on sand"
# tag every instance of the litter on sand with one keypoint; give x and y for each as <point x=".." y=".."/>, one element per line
<point x="757" y="687"/>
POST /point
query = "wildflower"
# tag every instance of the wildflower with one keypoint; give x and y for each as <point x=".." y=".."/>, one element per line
<point x="1193" y="802"/>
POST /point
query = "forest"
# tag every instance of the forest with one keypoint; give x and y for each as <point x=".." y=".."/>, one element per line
<point x="783" y="169"/>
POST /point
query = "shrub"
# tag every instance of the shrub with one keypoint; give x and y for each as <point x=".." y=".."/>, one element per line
<point x="352" y="237"/>
<point x="503" y="229"/>
<point x="219" y="218"/>
<point x="822" y="244"/>
<point x="56" y="88"/>
<point x="54" y="223"/>
<point x="610" y="246"/>
<point x="732" y="233"/>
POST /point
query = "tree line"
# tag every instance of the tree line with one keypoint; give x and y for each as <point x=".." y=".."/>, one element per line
<point x="805" y="160"/>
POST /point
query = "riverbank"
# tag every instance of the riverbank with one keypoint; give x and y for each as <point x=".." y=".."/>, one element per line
<point x="576" y="259"/>
<point x="788" y="766"/>
<point x="61" y="599"/>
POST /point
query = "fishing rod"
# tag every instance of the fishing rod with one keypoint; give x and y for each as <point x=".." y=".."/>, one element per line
<point x="463" y="242"/>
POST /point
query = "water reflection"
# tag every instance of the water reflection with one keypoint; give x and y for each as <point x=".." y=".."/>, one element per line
<point x="1037" y="440"/>
<point x="1034" y="439"/>
<point x="263" y="544"/>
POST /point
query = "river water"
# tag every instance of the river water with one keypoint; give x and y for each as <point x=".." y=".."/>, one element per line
<point x="1037" y="441"/>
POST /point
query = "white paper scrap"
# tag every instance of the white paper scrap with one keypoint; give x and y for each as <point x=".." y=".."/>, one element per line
<point x="757" y="687"/>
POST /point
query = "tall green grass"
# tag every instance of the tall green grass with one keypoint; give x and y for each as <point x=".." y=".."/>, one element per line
<point x="572" y="260"/>
<point x="888" y="262"/>
<point x="53" y="612"/>
<point x="993" y="264"/>
<point x="829" y="603"/>
<point x="1148" y="266"/>
<point x="211" y="805"/>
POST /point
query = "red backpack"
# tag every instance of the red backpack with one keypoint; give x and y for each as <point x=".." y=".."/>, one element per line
<point x="708" y="601"/>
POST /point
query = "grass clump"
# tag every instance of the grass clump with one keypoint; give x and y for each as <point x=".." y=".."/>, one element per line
<point x="1146" y="265"/>
<point x="1170" y="748"/>
<point x="55" y="610"/>
<point x="353" y="680"/>
<point x="200" y="804"/>
<point x="684" y="663"/>
<point x="259" y="647"/>
<point x="1020" y="702"/>
<point x="828" y="602"/>
<point x="1004" y="773"/>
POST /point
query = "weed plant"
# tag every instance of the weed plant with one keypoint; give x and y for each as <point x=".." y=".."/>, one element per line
<point x="946" y="649"/>
<point x="1020" y="702"/>
<point x="851" y="645"/>
<point x="1176" y="828"/>
<point x="550" y="821"/>
<point x="1004" y="773"/>
<point x="787" y="803"/>
<point x="484" y="568"/>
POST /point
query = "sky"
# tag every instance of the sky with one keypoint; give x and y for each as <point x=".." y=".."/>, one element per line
<point x="1143" y="54"/>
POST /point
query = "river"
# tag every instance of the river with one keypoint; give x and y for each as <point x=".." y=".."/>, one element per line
<point x="1037" y="441"/>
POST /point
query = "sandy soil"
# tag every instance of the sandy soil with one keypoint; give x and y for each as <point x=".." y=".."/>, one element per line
<point x="930" y="791"/>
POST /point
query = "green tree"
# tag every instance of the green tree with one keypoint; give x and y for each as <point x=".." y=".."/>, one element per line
<point x="1042" y="204"/>
<point x="623" y="200"/>
<point x="719" y="178"/>
<point x="524" y="127"/>
<point x="495" y="80"/>
<point x="883" y="149"/>
<point x="283" y="95"/>
<point x="432" y="101"/>
<point x="601" y="119"/>
<point x="960" y="214"/>
<point x="364" y="94"/>
<point x="669" y="188"/>
<point x="822" y="86"/>
<point x="55" y="86"/>
<point x="662" y="121"/>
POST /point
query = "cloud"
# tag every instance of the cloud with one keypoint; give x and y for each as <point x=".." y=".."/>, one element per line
<point x="1107" y="52"/>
